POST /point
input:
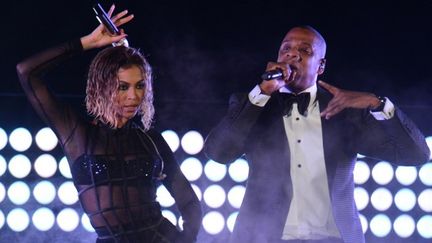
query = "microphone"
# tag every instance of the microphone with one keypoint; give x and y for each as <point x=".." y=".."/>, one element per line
<point x="103" y="18"/>
<point x="272" y="74"/>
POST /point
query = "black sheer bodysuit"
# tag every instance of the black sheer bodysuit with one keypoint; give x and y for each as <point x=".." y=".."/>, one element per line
<point x="116" y="171"/>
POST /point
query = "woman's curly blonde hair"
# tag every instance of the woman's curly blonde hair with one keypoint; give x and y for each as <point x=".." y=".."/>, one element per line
<point x="102" y="84"/>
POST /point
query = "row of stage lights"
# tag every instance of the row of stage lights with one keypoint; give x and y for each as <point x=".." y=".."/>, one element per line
<point x="214" y="195"/>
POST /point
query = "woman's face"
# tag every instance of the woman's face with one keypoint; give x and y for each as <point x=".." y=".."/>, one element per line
<point x="130" y="93"/>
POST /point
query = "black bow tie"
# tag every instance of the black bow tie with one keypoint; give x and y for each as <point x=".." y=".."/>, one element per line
<point x="302" y="100"/>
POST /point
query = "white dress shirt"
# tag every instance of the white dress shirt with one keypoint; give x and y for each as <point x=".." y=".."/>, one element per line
<point x="310" y="214"/>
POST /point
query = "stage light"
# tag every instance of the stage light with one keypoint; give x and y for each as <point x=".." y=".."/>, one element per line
<point x="164" y="197"/>
<point x="44" y="192"/>
<point x="380" y="225"/>
<point x="45" y="139"/>
<point x="192" y="168"/>
<point x="64" y="168"/>
<point x="213" y="222"/>
<point x="172" y="139"/>
<point x="364" y="223"/>
<point x="2" y="192"/>
<point x="67" y="193"/>
<point x="361" y="172"/>
<point x="85" y="222"/>
<point x="45" y="165"/>
<point x="235" y="196"/>
<point x="406" y="175"/>
<point x="382" y="173"/>
<point x="20" y="139"/>
<point x="2" y="219"/>
<point x="43" y="219"/>
<point x="18" y="193"/>
<point x="3" y="165"/>
<point x="429" y="143"/>
<point x="3" y="138"/>
<point x="192" y="142"/>
<point x="424" y="226"/>
<point x="180" y="223"/>
<point x="360" y="156"/>
<point x="425" y="200"/>
<point x="214" y="196"/>
<point x="215" y="171"/>
<point x="404" y="226"/>
<point x="67" y="219"/>
<point x="19" y="166"/>
<point x="231" y="221"/>
<point x="381" y="199"/>
<point x="425" y="174"/>
<point x="361" y="198"/>
<point x="170" y="216"/>
<point x="239" y="170"/>
<point x="18" y="219"/>
<point x="197" y="191"/>
<point x="405" y="199"/>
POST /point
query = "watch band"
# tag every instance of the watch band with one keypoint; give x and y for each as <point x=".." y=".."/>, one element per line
<point x="381" y="106"/>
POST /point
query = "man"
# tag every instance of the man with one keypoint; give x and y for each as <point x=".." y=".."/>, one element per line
<point x="302" y="148"/>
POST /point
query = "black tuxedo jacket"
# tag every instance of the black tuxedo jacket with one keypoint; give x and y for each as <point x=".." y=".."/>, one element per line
<point x="258" y="133"/>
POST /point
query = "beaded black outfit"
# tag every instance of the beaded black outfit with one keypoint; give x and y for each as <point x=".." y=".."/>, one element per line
<point x="116" y="171"/>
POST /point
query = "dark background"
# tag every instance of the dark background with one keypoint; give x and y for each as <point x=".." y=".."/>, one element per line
<point x="202" y="51"/>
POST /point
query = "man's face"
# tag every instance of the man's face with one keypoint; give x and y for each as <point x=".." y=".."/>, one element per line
<point x="303" y="51"/>
<point x="130" y="93"/>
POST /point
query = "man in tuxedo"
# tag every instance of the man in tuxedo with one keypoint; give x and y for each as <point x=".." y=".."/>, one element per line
<point x="301" y="138"/>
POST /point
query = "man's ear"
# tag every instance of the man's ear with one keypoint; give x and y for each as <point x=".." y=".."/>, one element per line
<point x="321" y="67"/>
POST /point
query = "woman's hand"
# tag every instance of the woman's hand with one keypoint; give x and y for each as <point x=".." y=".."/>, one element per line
<point x="101" y="36"/>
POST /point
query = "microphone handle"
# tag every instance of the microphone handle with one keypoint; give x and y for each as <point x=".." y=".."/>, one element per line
<point x="272" y="74"/>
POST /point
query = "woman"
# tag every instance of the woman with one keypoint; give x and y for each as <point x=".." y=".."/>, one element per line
<point x="116" y="161"/>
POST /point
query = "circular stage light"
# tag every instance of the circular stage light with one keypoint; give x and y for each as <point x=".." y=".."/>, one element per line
<point x="45" y="139"/>
<point x="2" y="192"/>
<point x="382" y="173"/>
<point x="197" y="191"/>
<point x="406" y="175"/>
<point x="425" y="200"/>
<point x="213" y="222"/>
<point x="43" y="219"/>
<point x="172" y="139"/>
<point x="64" y="168"/>
<point x="381" y="199"/>
<point x="231" y="221"/>
<point x="20" y="139"/>
<point x="67" y="193"/>
<point x="192" y="168"/>
<point x="404" y="226"/>
<point x="68" y="219"/>
<point x="85" y="222"/>
<point x="361" y="172"/>
<point x="425" y="174"/>
<point x="405" y="199"/>
<point x="380" y="225"/>
<point x="361" y="198"/>
<point x="235" y="196"/>
<point x="214" y="196"/>
<point x="170" y="216"/>
<point x="44" y="192"/>
<point x="18" y="193"/>
<point x="2" y="219"/>
<point x="18" y="220"/>
<point x="19" y="166"/>
<point x="239" y="170"/>
<point x="424" y="226"/>
<point x="364" y="223"/>
<point x="192" y="142"/>
<point x="3" y="138"/>
<point x="45" y="165"/>
<point x="215" y="171"/>
<point x="3" y="165"/>
<point x="164" y="197"/>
